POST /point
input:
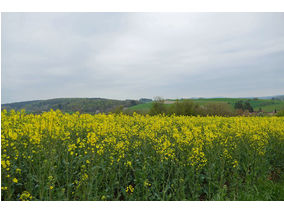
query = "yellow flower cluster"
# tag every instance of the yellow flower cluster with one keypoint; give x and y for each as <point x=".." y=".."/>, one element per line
<point x="130" y="189"/>
<point x="98" y="133"/>
<point x="26" y="196"/>
<point x="85" y="138"/>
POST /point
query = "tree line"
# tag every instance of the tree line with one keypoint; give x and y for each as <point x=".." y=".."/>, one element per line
<point x="189" y="108"/>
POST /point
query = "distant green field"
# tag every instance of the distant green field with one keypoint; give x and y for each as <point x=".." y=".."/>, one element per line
<point x="141" y="106"/>
<point x="267" y="105"/>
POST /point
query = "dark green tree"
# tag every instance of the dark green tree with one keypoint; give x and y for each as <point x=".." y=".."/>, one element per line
<point x="248" y="107"/>
<point x="239" y="105"/>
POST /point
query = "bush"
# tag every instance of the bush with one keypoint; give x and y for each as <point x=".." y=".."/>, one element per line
<point x="118" y="109"/>
<point x="280" y="113"/>
<point x="158" y="107"/>
<point x="219" y="109"/>
<point x="185" y="107"/>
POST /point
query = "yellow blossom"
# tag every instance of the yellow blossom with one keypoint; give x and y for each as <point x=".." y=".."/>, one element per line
<point x="130" y="189"/>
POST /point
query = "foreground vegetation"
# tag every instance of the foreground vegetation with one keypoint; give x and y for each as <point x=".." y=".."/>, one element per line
<point x="56" y="156"/>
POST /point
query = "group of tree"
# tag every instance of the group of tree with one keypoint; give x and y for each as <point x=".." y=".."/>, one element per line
<point x="189" y="108"/>
<point x="244" y="106"/>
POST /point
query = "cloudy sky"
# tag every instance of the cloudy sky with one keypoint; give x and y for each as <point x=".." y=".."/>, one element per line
<point x="134" y="55"/>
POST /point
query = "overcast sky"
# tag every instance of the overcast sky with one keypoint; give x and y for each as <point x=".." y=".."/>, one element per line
<point x="135" y="55"/>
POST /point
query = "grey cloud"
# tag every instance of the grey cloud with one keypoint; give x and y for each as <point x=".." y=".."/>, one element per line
<point x="133" y="55"/>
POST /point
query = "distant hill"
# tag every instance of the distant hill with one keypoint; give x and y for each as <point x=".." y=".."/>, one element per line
<point x="277" y="97"/>
<point x="96" y="105"/>
<point x="83" y="105"/>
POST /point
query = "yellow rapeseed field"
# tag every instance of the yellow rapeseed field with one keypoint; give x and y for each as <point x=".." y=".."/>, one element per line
<point x="57" y="156"/>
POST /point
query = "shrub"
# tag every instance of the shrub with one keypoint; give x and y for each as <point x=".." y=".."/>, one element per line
<point x="158" y="107"/>
<point x="280" y="113"/>
<point x="185" y="107"/>
<point x="219" y="109"/>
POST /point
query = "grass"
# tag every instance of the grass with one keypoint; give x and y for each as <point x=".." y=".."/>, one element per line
<point x="141" y="106"/>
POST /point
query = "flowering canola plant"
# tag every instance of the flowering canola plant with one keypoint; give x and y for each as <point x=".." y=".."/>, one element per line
<point x="57" y="156"/>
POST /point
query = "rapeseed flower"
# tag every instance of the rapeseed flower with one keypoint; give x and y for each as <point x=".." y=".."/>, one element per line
<point x="130" y="189"/>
